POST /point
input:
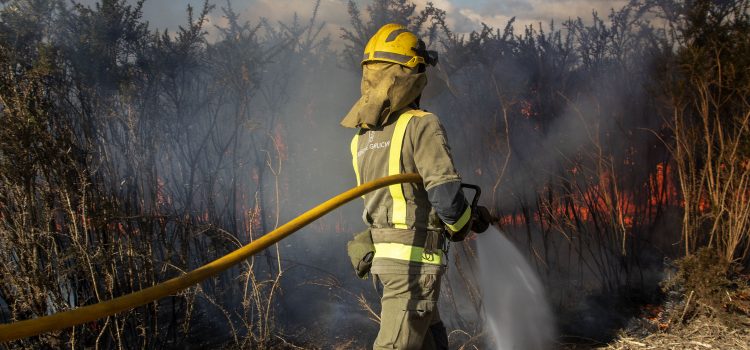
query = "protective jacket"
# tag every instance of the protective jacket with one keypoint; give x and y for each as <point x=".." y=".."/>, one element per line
<point x="407" y="220"/>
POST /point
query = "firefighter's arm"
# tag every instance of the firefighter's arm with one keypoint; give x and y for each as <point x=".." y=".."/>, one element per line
<point x="434" y="162"/>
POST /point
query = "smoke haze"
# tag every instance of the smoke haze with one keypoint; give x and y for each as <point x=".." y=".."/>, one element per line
<point x="242" y="133"/>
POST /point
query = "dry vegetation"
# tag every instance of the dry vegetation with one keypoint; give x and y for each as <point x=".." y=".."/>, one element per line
<point x="128" y="156"/>
<point x="705" y="309"/>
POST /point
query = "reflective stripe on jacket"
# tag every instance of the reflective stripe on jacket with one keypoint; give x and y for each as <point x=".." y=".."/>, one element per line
<point x="414" y="142"/>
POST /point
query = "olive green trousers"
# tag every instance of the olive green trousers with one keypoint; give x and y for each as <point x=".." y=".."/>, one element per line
<point x="409" y="318"/>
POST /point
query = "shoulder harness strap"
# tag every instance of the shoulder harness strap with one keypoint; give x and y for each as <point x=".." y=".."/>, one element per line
<point x="355" y="162"/>
<point x="394" y="166"/>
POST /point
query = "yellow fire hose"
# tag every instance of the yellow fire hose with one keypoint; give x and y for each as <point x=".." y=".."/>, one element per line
<point x="62" y="320"/>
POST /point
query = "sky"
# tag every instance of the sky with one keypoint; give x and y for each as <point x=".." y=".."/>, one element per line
<point x="463" y="15"/>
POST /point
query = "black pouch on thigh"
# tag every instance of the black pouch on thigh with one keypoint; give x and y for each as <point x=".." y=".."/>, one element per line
<point x="439" y="336"/>
<point x="361" y="250"/>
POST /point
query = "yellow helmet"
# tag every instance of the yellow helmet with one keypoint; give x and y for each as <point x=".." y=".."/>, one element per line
<point x="396" y="44"/>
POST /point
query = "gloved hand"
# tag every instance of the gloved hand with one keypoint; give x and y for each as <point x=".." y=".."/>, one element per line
<point x="481" y="219"/>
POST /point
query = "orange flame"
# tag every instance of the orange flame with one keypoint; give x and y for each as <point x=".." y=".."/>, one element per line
<point x="600" y="199"/>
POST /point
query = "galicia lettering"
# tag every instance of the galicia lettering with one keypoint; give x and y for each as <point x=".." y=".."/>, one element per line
<point x="373" y="146"/>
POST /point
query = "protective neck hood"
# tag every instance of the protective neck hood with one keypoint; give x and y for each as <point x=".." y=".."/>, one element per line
<point x="386" y="88"/>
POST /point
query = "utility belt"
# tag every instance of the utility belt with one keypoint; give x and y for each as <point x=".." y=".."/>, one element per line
<point x="420" y="246"/>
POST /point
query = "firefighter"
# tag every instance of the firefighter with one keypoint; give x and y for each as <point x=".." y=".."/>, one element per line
<point x="409" y="223"/>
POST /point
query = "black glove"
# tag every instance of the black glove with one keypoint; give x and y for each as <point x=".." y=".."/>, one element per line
<point x="480" y="219"/>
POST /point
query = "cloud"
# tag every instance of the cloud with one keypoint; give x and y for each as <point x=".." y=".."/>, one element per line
<point x="527" y="12"/>
<point x="474" y="17"/>
<point x="463" y="16"/>
<point x="333" y="13"/>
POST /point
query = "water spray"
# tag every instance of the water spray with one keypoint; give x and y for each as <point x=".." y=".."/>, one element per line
<point x="516" y="312"/>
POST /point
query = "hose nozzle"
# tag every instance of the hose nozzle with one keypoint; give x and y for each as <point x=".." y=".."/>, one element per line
<point x="480" y="215"/>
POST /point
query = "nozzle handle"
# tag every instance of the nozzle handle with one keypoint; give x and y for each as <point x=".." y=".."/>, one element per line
<point x="477" y="193"/>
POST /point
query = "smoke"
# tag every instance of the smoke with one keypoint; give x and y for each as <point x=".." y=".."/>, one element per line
<point x="249" y="131"/>
<point x="570" y="108"/>
<point x="573" y="115"/>
<point x="515" y="305"/>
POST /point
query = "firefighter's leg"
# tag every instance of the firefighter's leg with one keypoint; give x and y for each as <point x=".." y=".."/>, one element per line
<point x="409" y="306"/>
